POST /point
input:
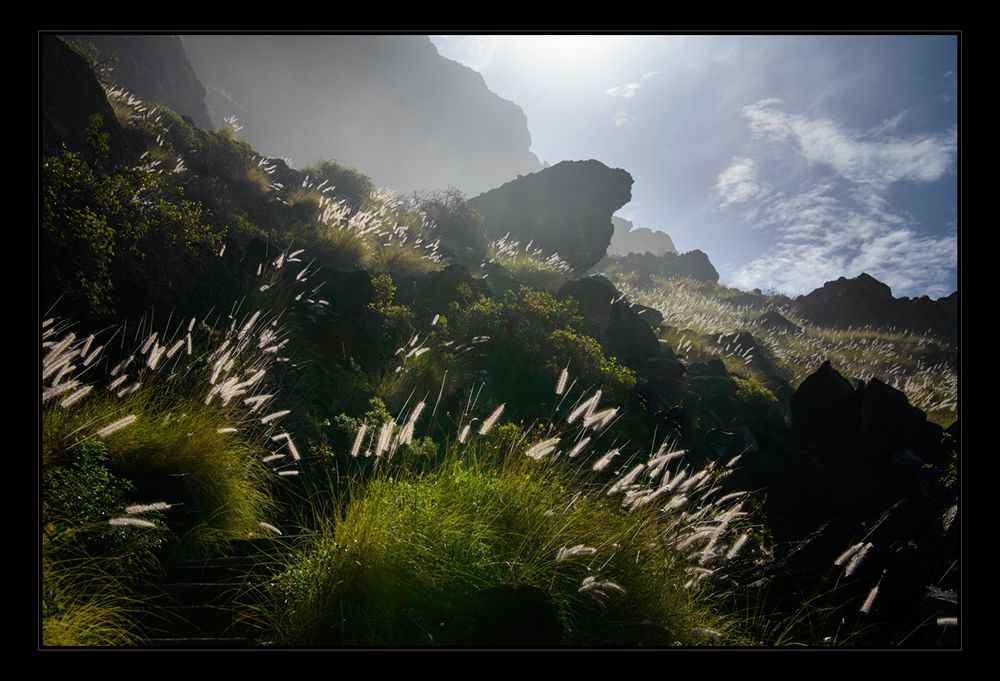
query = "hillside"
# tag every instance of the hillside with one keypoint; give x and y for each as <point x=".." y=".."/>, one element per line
<point x="281" y="406"/>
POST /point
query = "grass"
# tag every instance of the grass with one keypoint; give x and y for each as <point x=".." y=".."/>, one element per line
<point x="922" y="367"/>
<point x="84" y="604"/>
<point x="402" y="554"/>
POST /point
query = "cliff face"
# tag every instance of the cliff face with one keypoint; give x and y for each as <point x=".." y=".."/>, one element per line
<point x="156" y="69"/>
<point x="389" y="105"/>
<point x="564" y="209"/>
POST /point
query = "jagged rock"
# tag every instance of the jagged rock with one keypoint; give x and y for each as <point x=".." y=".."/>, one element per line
<point x="777" y="322"/>
<point x="819" y="406"/>
<point x="155" y="69"/>
<point x="388" y="104"/>
<point x="865" y="301"/>
<point x="565" y="209"/>
<point x="609" y="318"/>
<point x="630" y="239"/>
<point x="70" y="96"/>
<point x="692" y="265"/>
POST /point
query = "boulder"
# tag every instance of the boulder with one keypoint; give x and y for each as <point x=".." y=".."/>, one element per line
<point x="610" y="319"/>
<point x="691" y="265"/>
<point x="564" y="209"/>
<point x="777" y="322"/>
<point x="819" y="406"/>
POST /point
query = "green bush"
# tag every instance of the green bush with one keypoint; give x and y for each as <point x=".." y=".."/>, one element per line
<point x="104" y="234"/>
<point x="349" y="184"/>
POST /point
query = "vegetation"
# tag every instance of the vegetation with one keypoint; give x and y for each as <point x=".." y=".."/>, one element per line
<point x="443" y="438"/>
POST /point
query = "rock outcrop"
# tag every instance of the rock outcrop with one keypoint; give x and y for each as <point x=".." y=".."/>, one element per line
<point x="631" y="239"/>
<point x="865" y="301"/>
<point x="155" y="69"/>
<point x="70" y="96"/>
<point x="692" y="265"/>
<point x="565" y="209"/>
<point x="387" y="104"/>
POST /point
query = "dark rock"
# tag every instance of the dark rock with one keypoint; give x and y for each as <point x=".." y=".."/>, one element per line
<point x="155" y="69"/>
<point x="388" y="104"/>
<point x="820" y="405"/>
<point x="609" y="318"/>
<point x="751" y="300"/>
<point x="630" y="239"/>
<point x="869" y="427"/>
<point x="777" y="322"/>
<point x="885" y="419"/>
<point x="565" y="209"/>
<point x="865" y="301"/>
<point x="70" y="96"/>
<point x="650" y="315"/>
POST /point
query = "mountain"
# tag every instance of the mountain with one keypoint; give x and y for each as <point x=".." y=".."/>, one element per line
<point x="156" y="69"/>
<point x="390" y="105"/>
<point x="864" y="300"/>
<point x="631" y="239"/>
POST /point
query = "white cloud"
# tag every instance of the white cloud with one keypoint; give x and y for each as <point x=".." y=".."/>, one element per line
<point x="862" y="158"/>
<point x="839" y="221"/>
<point x="626" y="91"/>
<point x="738" y="182"/>
<point x="823" y="233"/>
<point x="621" y="118"/>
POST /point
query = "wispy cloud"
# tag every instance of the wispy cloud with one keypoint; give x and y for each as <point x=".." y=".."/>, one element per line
<point x="856" y="156"/>
<point x="622" y="118"/>
<point x="628" y="90"/>
<point x="837" y="219"/>
<point x="738" y="182"/>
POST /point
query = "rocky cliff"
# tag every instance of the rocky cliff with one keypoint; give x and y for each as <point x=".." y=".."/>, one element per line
<point x="156" y="69"/>
<point x="389" y="105"/>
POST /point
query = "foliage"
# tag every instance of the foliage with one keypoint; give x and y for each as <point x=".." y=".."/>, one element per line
<point x="100" y="230"/>
<point x="349" y="184"/>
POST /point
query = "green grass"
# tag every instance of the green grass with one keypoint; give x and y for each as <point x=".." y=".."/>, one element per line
<point x="384" y="567"/>
<point x="84" y="604"/>
<point x="173" y="437"/>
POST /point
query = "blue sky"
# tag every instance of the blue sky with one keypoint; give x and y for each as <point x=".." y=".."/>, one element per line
<point x="790" y="160"/>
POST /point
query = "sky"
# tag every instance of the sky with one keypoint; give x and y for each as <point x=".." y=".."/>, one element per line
<point x="790" y="160"/>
